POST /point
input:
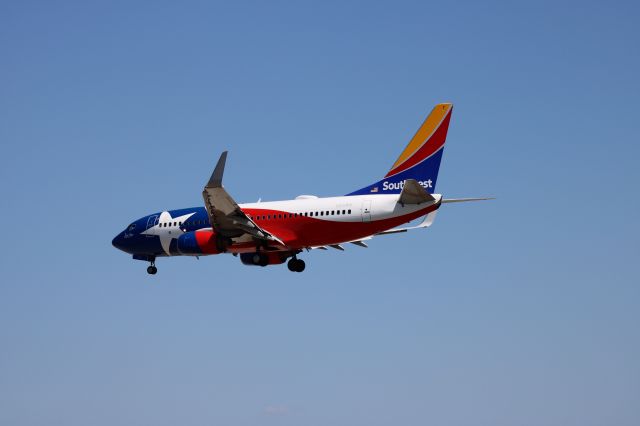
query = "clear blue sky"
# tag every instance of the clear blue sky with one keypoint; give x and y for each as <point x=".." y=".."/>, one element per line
<point x="521" y="311"/>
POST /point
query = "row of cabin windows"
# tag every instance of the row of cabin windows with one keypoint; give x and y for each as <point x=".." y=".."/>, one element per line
<point x="266" y="217"/>
<point x="305" y="214"/>
<point x="193" y="222"/>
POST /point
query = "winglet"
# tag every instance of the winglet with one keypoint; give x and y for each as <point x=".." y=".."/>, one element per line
<point x="215" y="181"/>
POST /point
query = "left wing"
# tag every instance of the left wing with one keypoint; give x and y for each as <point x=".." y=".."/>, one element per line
<point x="225" y="216"/>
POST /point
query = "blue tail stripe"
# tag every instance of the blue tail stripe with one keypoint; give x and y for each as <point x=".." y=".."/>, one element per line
<point x="426" y="173"/>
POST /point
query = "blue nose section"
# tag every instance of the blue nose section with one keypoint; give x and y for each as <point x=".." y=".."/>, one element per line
<point x="118" y="242"/>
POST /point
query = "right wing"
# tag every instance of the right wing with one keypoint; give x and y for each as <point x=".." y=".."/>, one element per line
<point x="225" y="216"/>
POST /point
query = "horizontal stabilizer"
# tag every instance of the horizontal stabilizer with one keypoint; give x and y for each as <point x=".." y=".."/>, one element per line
<point x="414" y="193"/>
<point x="464" y="200"/>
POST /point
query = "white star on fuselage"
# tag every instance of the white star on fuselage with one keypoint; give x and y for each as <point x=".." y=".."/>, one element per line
<point x="169" y="232"/>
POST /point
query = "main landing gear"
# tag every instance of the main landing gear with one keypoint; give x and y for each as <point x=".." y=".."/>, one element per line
<point x="152" y="270"/>
<point x="295" y="265"/>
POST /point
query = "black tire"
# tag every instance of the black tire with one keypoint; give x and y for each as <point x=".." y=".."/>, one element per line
<point x="300" y="265"/>
<point x="151" y="270"/>
<point x="291" y="264"/>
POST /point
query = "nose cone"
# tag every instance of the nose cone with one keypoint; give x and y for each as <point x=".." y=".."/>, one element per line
<point x="118" y="242"/>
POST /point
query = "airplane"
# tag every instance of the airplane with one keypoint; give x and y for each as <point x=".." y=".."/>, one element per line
<point x="272" y="233"/>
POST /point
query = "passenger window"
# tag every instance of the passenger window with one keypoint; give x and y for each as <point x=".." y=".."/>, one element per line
<point x="327" y="213"/>
<point x="349" y="211"/>
<point x="338" y="212"/>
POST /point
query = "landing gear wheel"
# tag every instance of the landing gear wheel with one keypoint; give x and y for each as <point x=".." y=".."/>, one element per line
<point x="291" y="264"/>
<point x="296" y="265"/>
<point x="151" y="270"/>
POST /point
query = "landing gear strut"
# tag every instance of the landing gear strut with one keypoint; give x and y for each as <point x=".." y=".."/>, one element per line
<point x="296" y="265"/>
<point x="151" y="270"/>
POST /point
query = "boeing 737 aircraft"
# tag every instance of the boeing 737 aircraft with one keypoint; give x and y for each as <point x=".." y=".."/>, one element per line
<point x="270" y="233"/>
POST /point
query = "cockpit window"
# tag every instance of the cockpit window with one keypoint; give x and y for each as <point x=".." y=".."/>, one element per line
<point x="131" y="227"/>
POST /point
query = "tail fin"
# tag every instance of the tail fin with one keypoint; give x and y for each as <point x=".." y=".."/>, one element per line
<point x="420" y="160"/>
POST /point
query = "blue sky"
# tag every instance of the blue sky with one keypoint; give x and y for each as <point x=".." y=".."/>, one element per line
<point x="522" y="311"/>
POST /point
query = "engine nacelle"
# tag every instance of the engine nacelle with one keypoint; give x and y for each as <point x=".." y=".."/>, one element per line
<point x="198" y="242"/>
<point x="263" y="258"/>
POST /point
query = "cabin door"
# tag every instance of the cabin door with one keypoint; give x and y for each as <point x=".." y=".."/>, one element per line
<point x="366" y="211"/>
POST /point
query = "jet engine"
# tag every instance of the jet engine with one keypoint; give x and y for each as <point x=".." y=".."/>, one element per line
<point x="198" y="242"/>
<point x="263" y="258"/>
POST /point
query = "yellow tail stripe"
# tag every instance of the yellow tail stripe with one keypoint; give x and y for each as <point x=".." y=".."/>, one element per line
<point x="424" y="132"/>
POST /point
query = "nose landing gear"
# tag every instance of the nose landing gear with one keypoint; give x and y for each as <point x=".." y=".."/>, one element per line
<point x="151" y="270"/>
